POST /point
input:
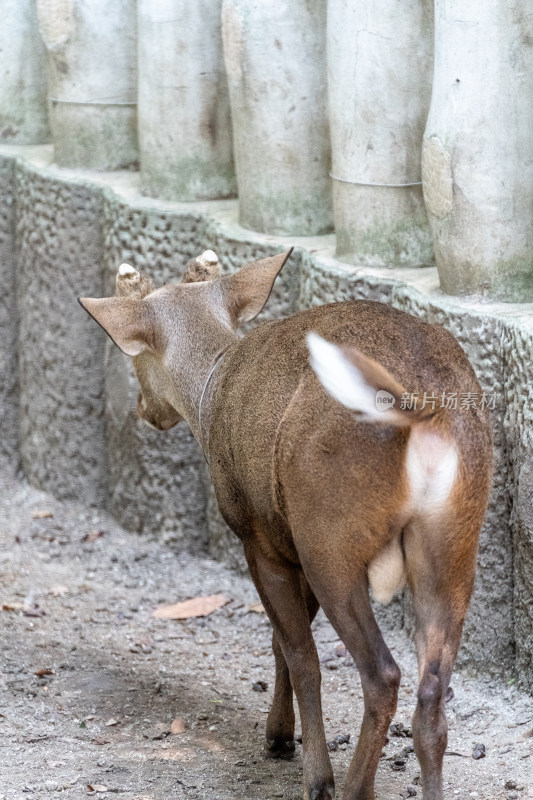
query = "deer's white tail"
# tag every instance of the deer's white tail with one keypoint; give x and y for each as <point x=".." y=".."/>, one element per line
<point x="361" y="384"/>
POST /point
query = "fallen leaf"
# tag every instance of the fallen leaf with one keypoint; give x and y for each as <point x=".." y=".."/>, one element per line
<point x="178" y="726"/>
<point x="41" y="672"/>
<point x="99" y="787"/>
<point x="111" y="722"/>
<point x="92" y="536"/>
<point x="13" y="606"/>
<point x="34" y="612"/>
<point x="196" y="607"/>
<point x="58" y="590"/>
<point x="44" y="514"/>
<point x="257" y="608"/>
<point x="100" y="740"/>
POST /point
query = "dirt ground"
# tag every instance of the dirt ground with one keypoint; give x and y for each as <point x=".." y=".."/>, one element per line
<point x="91" y="682"/>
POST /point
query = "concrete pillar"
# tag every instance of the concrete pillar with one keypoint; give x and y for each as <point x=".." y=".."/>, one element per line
<point x="92" y="60"/>
<point x="379" y="84"/>
<point x="478" y="148"/>
<point x="275" y="60"/>
<point x="23" y="88"/>
<point x="184" y="116"/>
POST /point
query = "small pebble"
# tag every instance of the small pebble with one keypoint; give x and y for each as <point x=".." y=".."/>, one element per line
<point x="260" y="686"/>
<point x="511" y="785"/>
<point x="400" y="730"/>
<point x="478" y="751"/>
<point x="399" y="765"/>
<point x="51" y="786"/>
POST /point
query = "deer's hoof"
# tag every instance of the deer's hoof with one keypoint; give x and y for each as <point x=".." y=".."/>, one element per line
<point x="321" y="791"/>
<point x="280" y="748"/>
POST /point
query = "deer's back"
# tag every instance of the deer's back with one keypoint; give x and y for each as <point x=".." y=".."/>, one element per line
<point x="272" y="420"/>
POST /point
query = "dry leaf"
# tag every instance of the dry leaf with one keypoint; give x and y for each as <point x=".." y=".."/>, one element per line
<point x="34" y="612"/>
<point x="13" y="606"/>
<point x="178" y="726"/>
<point x="99" y="787"/>
<point x="41" y="672"/>
<point x="44" y="514"/>
<point x="197" y="607"/>
<point x="111" y="722"/>
<point x="100" y="740"/>
<point x="258" y="608"/>
<point x="58" y="590"/>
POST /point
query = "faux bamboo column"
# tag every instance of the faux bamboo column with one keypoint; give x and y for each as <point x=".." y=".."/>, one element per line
<point x="276" y="65"/>
<point x="92" y="79"/>
<point x="478" y="148"/>
<point x="379" y="83"/>
<point x="23" y="87"/>
<point x="184" y="117"/>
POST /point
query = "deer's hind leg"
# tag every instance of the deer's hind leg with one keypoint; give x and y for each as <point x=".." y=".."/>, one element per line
<point x="280" y="586"/>
<point x="440" y="560"/>
<point x="339" y="579"/>
<point x="280" y="721"/>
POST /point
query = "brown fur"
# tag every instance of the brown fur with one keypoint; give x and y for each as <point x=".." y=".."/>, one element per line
<point x="315" y="495"/>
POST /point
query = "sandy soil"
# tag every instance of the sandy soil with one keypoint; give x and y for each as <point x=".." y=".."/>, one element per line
<point x="91" y="681"/>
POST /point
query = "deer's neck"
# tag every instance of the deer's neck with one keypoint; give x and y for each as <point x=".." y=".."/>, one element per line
<point x="204" y="367"/>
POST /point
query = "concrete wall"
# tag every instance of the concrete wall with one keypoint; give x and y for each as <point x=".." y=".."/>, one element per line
<point x="79" y="436"/>
<point x="9" y="400"/>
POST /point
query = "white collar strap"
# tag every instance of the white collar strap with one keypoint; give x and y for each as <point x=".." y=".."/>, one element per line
<point x="206" y="384"/>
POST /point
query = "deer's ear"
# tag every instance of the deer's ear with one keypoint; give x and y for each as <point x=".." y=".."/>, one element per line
<point x="127" y="321"/>
<point x="247" y="291"/>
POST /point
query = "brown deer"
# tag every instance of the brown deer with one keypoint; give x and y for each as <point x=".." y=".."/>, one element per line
<point x="326" y="499"/>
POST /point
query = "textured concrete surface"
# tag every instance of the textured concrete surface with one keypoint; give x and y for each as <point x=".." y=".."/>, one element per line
<point x="155" y="479"/>
<point x="23" y="88"/>
<point x="184" y="121"/>
<point x="93" y="111"/>
<point x="9" y="400"/>
<point x="478" y="149"/>
<point x="380" y="58"/>
<point x="275" y="57"/>
<point x="62" y="427"/>
<point x="74" y="229"/>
